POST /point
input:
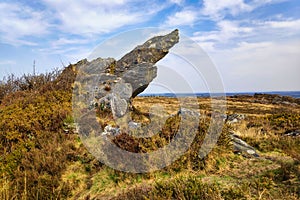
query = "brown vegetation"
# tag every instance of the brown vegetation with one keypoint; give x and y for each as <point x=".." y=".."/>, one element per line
<point x="42" y="157"/>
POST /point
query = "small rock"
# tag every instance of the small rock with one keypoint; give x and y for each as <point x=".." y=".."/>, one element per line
<point x="234" y="118"/>
<point x="292" y="133"/>
<point x="109" y="130"/>
<point x="188" y="113"/>
<point x="134" y="125"/>
<point x="241" y="146"/>
<point x="118" y="106"/>
<point x="223" y="117"/>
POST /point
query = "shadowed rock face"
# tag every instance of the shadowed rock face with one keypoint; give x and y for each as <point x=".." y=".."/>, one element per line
<point x="137" y="66"/>
<point x="119" y="81"/>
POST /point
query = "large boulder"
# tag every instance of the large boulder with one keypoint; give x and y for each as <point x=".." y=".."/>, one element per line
<point x="110" y="85"/>
<point x="124" y="79"/>
<point x="137" y="67"/>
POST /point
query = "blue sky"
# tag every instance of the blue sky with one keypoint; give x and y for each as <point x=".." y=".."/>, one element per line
<point x="254" y="44"/>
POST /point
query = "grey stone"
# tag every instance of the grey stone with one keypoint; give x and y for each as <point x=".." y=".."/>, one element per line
<point x="96" y="66"/>
<point x="140" y="76"/>
<point x="240" y="146"/>
<point x="188" y="113"/>
<point x="162" y="42"/>
<point x="137" y="67"/>
<point x="110" y="84"/>
<point x="134" y="125"/>
<point x="292" y="133"/>
<point x="124" y="90"/>
<point x="109" y="130"/>
<point x="234" y="118"/>
<point x="151" y="51"/>
<point x="119" y="106"/>
<point x="120" y="81"/>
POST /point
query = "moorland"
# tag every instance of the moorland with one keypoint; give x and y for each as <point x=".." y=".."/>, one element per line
<point x="43" y="157"/>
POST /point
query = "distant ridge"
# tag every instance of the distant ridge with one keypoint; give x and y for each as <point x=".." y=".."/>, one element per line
<point x="294" y="94"/>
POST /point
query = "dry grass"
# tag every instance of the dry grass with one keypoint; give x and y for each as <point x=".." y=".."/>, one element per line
<point x="40" y="161"/>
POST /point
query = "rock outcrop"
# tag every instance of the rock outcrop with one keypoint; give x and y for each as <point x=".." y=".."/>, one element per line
<point x="113" y="83"/>
<point x="132" y="74"/>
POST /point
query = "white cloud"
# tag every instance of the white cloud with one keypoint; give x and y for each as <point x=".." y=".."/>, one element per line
<point x="95" y="21"/>
<point x="255" y="55"/>
<point x="207" y="46"/>
<point x="98" y="17"/>
<point x="231" y="29"/>
<point x="18" y="21"/>
<point x="258" y="3"/>
<point x="178" y="2"/>
<point x="216" y="9"/>
<point x="260" y="66"/>
<point x="251" y="47"/>
<point x="229" y="33"/>
<point x="226" y="31"/>
<point x="106" y="3"/>
<point x="66" y="41"/>
<point x="103" y="3"/>
<point x="184" y="17"/>
<point x="219" y="9"/>
<point x="287" y="24"/>
<point x="7" y="62"/>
